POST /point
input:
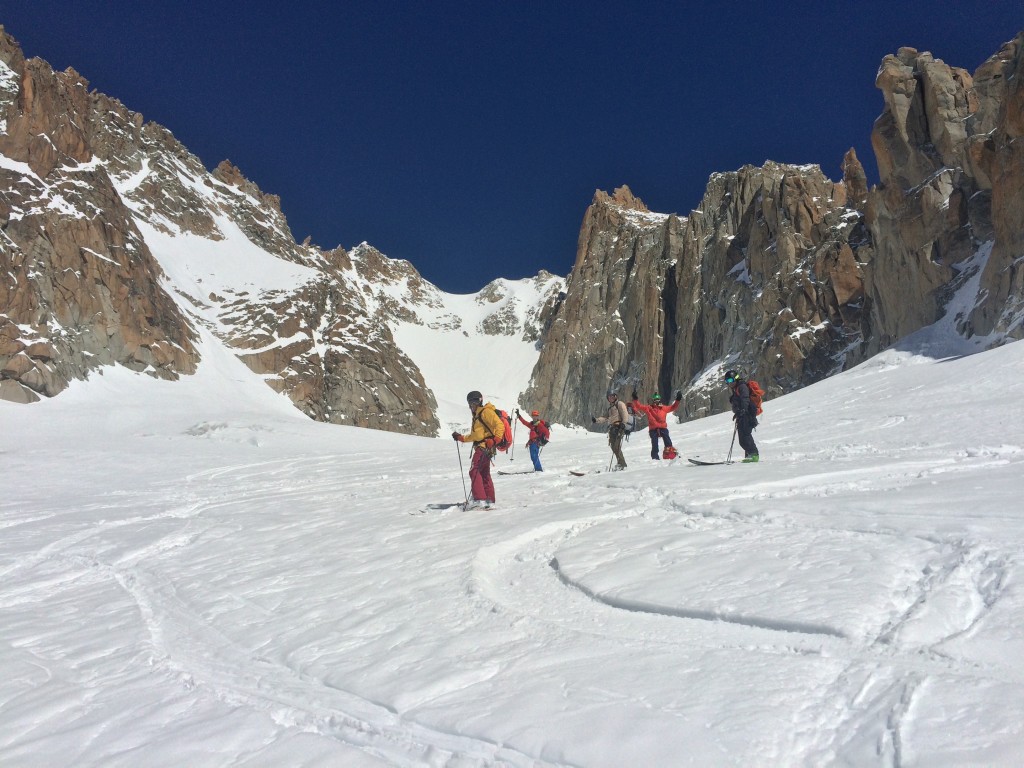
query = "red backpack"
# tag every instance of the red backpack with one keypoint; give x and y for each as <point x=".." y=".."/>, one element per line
<point x="756" y="396"/>
<point x="506" y="440"/>
<point x="543" y="433"/>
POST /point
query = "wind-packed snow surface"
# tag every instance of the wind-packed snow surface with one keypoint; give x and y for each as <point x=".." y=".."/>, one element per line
<point x="193" y="573"/>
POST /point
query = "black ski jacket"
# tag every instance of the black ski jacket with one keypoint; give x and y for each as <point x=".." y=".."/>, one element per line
<point x="740" y="401"/>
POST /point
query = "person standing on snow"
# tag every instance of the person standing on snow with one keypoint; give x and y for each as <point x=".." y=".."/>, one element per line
<point x="485" y="432"/>
<point x="616" y="421"/>
<point x="539" y="436"/>
<point x="657" y="422"/>
<point x="744" y="414"/>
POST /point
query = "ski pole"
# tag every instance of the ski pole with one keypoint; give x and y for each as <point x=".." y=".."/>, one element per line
<point x="512" y="453"/>
<point x="462" y="474"/>
<point x="728" y="459"/>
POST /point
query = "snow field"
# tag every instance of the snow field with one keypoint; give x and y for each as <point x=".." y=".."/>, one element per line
<point x="195" y="573"/>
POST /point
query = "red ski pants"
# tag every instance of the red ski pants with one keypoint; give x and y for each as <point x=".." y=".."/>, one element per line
<point x="480" y="476"/>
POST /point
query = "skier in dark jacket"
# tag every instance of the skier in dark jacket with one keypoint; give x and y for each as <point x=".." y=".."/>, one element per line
<point x="744" y="414"/>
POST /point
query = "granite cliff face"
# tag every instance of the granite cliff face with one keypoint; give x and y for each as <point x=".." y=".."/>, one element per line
<point x="119" y="247"/>
<point x="762" y="269"/>
<point x="950" y="205"/>
<point x="792" y="277"/>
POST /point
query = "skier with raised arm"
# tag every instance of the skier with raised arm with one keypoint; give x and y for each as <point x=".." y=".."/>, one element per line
<point x="657" y="422"/>
<point x="539" y="436"/>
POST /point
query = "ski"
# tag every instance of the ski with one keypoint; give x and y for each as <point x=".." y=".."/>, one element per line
<point x="700" y="463"/>
<point x="439" y="507"/>
<point x="526" y="472"/>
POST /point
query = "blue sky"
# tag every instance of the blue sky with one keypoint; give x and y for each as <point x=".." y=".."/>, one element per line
<point x="469" y="137"/>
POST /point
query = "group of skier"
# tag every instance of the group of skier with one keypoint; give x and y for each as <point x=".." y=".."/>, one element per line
<point x="488" y="430"/>
<point x="744" y="403"/>
<point x="618" y="419"/>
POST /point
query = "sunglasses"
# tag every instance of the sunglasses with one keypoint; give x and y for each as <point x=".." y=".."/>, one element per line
<point x="730" y="380"/>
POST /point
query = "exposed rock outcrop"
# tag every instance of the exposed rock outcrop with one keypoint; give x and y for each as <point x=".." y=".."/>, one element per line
<point x="951" y="194"/>
<point x="80" y="289"/>
<point x="762" y="270"/>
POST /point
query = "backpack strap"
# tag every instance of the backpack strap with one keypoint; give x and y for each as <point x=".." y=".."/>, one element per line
<point x="479" y="417"/>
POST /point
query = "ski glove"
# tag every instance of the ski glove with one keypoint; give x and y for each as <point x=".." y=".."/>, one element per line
<point x="679" y="395"/>
<point x="634" y="395"/>
<point x="593" y="420"/>
<point x="456" y="437"/>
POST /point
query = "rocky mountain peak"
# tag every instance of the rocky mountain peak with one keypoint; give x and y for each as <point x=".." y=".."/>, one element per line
<point x="855" y="181"/>
<point x="10" y="52"/>
<point x="80" y="287"/>
<point x="622" y="197"/>
<point x="229" y="173"/>
<point x="92" y="199"/>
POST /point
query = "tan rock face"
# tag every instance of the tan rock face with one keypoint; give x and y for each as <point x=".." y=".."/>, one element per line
<point x="79" y="287"/>
<point x="952" y="181"/>
<point x="854" y="184"/>
<point x="994" y="133"/>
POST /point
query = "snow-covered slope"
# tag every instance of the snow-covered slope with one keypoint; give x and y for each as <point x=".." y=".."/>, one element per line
<point x="487" y="341"/>
<point x="194" y="573"/>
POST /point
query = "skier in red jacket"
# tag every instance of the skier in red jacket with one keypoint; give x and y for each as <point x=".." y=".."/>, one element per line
<point x="539" y="436"/>
<point x="657" y="423"/>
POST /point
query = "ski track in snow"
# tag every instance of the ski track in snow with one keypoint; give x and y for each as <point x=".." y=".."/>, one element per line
<point x="197" y="656"/>
<point x="868" y="699"/>
<point x="516" y="572"/>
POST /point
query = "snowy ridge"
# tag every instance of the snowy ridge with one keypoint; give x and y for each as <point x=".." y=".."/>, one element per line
<point x="225" y="581"/>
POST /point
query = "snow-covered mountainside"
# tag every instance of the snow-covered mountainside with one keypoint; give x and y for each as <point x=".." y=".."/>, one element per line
<point x="219" y="580"/>
<point x="118" y="246"/>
